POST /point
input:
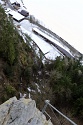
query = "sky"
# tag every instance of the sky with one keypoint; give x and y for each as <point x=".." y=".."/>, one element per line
<point x="64" y="17"/>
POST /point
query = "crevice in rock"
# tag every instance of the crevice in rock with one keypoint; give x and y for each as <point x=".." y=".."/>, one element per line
<point x="7" y="116"/>
<point x="30" y="120"/>
<point x="13" y="120"/>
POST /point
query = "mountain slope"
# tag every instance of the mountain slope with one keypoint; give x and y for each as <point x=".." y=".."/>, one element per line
<point x="24" y="70"/>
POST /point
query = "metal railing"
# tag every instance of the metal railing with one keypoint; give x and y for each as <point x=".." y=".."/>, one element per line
<point x="47" y="102"/>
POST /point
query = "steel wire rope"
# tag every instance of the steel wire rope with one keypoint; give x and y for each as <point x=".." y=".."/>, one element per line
<point x="55" y="115"/>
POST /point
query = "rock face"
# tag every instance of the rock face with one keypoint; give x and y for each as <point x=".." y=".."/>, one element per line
<point x="21" y="112"/>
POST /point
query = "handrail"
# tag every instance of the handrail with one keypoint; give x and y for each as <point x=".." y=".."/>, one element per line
<point x="47" y="102"/>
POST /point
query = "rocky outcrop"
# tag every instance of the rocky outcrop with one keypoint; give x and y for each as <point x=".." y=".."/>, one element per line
<point x="21" y="112"/>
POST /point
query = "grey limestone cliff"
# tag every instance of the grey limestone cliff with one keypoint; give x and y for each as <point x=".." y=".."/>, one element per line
<point x="21" y="112"/>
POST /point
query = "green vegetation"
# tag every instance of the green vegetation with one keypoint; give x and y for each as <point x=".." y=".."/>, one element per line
<point x="60" y="81"/>
<point x="66" y="81"/>
<point x="8" y="39"/>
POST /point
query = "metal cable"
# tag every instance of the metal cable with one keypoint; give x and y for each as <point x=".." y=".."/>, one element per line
<point x="55" y="116"/>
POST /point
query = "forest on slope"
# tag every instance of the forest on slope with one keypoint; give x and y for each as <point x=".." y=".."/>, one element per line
<point x="60" y="81"/>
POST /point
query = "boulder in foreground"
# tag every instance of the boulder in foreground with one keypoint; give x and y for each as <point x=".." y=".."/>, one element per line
<point x="21" y="112"/>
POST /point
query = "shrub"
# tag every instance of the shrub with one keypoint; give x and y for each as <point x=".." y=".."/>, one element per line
<point x="10" y="90"/>
<point x="28" y="74"/>
<point x="78" y="107"/>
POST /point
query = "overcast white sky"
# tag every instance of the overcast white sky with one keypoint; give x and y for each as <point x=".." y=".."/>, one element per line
<point x="64" y="17"/>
